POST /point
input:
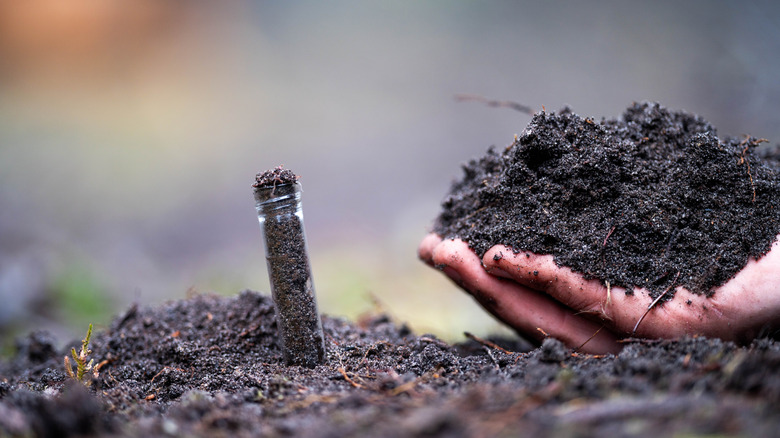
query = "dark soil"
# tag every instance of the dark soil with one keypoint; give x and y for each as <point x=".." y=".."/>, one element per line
<point x="274" y="177"/>
<point x="211" y="366"/>
<point x="652" y="199"/>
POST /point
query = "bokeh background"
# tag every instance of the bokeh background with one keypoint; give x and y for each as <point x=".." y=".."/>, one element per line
<point x="130" y="133"/>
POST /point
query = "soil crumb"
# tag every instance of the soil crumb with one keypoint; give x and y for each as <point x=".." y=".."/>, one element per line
<point x="212" y="366"/>
<point x="637" y="202"/>
<point x="274" y="177"/>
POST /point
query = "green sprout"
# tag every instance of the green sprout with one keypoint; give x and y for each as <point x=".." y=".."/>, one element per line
<point x="82" y="367"/>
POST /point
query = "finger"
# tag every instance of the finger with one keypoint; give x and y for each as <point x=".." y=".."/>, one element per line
<point x="524" y="309"/>
<point x="540" y="272"/>
<point x="685" y="314"/>
<point x="425" y="250"/>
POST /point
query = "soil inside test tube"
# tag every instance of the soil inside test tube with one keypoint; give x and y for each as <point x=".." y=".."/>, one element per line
<point x="289" y="268"/>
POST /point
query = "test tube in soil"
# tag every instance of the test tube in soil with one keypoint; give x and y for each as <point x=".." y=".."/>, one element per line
<point x="278" y="203"/>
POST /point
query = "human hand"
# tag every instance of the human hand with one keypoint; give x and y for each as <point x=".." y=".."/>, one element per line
<point x="538" y="298"/>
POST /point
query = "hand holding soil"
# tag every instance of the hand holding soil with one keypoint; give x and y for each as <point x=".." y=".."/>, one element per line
<point x="536" y="297"/>
<point x="644" y="226"/>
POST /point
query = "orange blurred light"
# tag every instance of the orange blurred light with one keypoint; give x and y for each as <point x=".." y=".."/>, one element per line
<point x="50" y="38"/>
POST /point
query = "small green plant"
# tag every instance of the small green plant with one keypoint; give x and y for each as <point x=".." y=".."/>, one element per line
<point x="82" y="367"/>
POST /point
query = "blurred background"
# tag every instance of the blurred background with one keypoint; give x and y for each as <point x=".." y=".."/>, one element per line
<point x="131" y="131"/>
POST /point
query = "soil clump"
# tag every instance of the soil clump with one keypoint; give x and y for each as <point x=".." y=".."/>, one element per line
<point x="274" y="177"/>
<point x="637" y="202"/>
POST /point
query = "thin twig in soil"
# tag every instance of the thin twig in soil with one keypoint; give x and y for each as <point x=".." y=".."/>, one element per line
<point x="593" y="356"/>
<point x="166" y="368"/>
<point x="495" y="103"/>
<point x="487" y="343"/>
<point x="341" y="369"/>
<point x="492" y="358"/>
<point x="604" y="245"/>
<point x="349" y="379"/>
<point x="250" y="330"/>
<point x="743" y="160"/>
<point x="686" y="360"/>
<point x="588" y="340"/>
<point x="412" y="385"/>
<point x="404" y="387"/>
<point x="655" y="302"/>
<point x="747" y="142"/>
<point x="372" y="347"/>
<point x="611" y="230"/>
<point x="104" y="363"/>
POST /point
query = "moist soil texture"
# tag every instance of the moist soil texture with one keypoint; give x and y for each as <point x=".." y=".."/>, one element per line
<point x="212" y="366"/>
<point x="651" y="200"/>
<point x="274" y="177"/>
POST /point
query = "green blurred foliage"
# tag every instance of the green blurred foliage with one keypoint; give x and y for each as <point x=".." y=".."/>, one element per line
<point x="7" y="348"/>
<point x="78" y="297"/>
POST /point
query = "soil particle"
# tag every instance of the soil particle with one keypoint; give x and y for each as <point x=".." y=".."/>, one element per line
<point x="636" y="202"/>
<point x="211" y="366"/>
<point x="552" y="350"/>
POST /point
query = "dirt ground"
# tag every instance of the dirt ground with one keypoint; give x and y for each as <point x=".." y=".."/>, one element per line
<point x="211" y="366"/>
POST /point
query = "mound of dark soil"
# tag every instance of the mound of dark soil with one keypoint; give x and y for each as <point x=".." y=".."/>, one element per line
<point x="636" y="202"/>
<point x="211" y="366"/>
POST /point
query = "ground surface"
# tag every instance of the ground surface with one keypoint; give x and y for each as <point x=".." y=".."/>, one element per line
<point x="210" y="366"/>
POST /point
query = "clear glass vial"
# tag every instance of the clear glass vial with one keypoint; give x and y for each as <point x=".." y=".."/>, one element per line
<point x="281" y="219"/>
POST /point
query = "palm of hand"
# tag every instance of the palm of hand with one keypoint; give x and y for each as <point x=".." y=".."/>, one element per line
<point x="536" y="297"/>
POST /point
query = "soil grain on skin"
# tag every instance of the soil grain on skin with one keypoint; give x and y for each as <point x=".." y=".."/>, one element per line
<point x="211" y="366"/>
<point x="645" y="201"/>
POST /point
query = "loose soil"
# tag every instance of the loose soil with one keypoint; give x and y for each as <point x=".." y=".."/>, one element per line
<point x="651" y="200"/>
<point x="274" y="177"/>
<point x="211" y="366"/>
